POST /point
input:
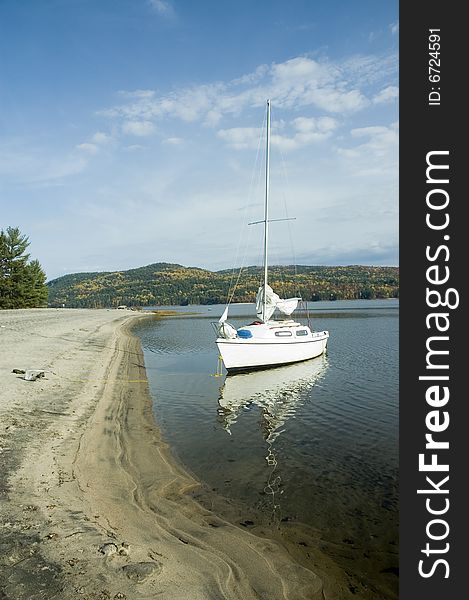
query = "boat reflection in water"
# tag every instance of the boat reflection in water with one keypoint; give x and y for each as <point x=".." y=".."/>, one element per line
<point x="278" y="392"/>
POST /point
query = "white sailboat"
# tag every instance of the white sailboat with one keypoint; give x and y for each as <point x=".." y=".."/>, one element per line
<point x="267" y="342"/>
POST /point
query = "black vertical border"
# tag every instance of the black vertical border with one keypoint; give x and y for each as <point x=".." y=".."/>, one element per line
<point x="425" y="128"/>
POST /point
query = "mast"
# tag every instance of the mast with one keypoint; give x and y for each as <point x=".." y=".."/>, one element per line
<point x="266" y="208"/>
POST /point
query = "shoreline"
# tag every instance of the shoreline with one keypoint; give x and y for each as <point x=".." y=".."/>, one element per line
<point x="93" y="503"/>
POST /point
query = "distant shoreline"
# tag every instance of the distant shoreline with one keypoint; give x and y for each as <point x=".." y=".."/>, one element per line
<point x="163" y="284"/>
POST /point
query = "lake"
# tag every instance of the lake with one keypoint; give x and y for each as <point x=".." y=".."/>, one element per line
<point x="307" y="452"/>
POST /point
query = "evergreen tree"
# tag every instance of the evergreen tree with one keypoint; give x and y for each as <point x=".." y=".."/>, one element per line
<point x="36" y="291"/>
<point x="22" y="283"/>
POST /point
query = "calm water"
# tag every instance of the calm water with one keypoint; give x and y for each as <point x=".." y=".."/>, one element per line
<point x="314" y="443"/>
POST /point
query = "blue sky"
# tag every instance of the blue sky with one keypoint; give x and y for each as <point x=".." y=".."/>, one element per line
<point x="129" y="130"/>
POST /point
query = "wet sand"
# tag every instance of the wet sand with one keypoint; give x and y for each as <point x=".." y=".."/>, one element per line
<point x="92" y="504"/>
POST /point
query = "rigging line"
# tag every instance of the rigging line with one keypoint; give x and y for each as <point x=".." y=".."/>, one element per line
<point x="257" y="187"/>
<point x="255" y="170"/>
<point x="230" y="293"/>
<point x="271" y="221"/>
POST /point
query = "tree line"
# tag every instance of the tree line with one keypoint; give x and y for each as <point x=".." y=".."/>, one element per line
<point x="172" y="284"/>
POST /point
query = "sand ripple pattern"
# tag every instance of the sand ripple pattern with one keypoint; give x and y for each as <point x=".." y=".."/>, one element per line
<point x="94" y="506"/>
<point x="147" y="502"/>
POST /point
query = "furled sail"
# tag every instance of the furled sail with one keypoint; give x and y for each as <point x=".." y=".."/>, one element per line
<point x="272" y="302"/>
<point x="226" y="330"/>
<point x="224" y="316"/>
<point x="288" y="305"/>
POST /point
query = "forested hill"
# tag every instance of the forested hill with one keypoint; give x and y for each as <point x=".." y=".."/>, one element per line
<point x="170" y="284"/>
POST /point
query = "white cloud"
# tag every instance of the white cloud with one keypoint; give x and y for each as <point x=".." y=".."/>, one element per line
<point x="368" y="70"/>
<point x="88" y="148"/>
<point x="213" y="118"/>
<point x="302" y="69"/>
<point x="394" y="27"/>
<point x="138" y="128"/>
<point x="340" y="88"/>
<point x="337" y="101"/>
<point x="240" y="137"/>
<point x="163" y="8"/>
<point x="101" y="138"/>
<point x="23" y="165"/>
<point x="377" y="154"/>
<point x="374" y="133"/>
<point x="303" y="131"/>
<point x="322" y="124"/>
<point x="254" y="77"/>
<point x="388" y="94"/>
<point x="173" y="141"/>
<point x="97" y="140"/>
<point x="308" y="131"/>
<point x="302" y="81"/>
<point x="137" y="93"/>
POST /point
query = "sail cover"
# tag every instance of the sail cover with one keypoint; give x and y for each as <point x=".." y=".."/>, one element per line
<point x="272" y="302"/>
<point x="226" y="330"/>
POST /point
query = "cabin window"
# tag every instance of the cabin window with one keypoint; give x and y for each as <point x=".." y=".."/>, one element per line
<point x="302" y="332"/>
<point x="283" y="333"/>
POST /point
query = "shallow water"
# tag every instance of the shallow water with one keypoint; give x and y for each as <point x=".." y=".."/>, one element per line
<point x="314" y="443"/>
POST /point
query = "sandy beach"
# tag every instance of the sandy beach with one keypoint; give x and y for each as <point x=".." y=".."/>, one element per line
<point x="92" y="503"/>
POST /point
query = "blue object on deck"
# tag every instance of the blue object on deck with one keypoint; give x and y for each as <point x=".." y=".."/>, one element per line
<point x="244" y="333"/>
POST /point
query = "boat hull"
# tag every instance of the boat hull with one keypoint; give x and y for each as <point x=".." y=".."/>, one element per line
<point x="249" y="354"/>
